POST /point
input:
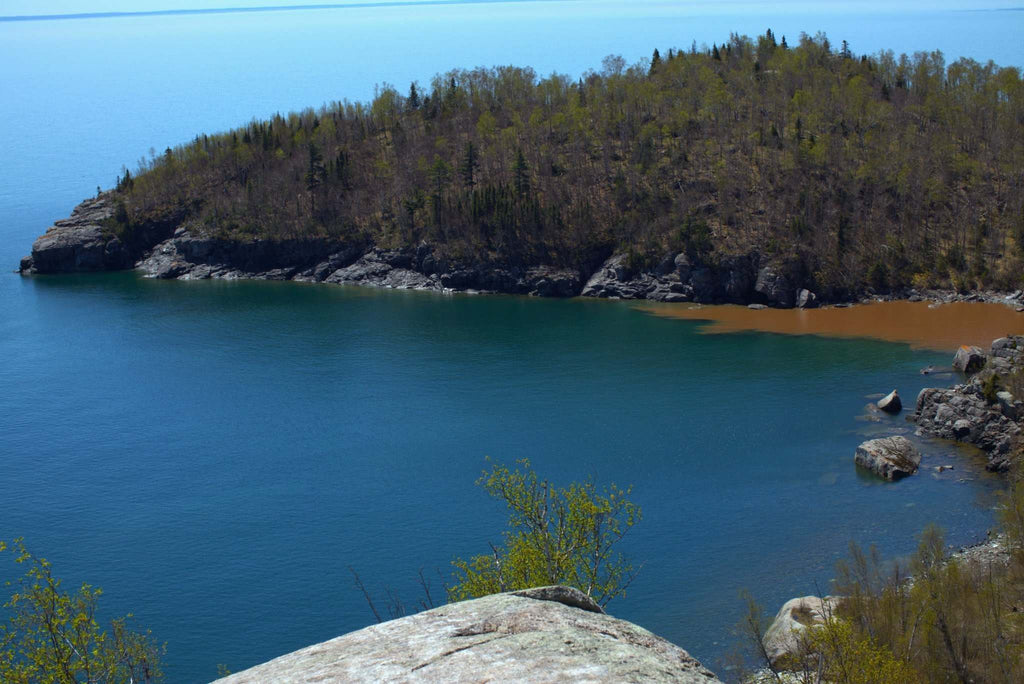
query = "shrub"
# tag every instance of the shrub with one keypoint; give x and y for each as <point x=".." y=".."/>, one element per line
<point x="54" y="637"/>
<point x="990" y="388"/>
<point x="563" y="535"/>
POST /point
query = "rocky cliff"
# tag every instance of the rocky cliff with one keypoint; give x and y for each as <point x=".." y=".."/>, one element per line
<point x="88" y="241"/>
<point x="549" y="634"/>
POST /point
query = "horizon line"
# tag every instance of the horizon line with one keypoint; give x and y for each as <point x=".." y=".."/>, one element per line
<point x="256" y="8"/>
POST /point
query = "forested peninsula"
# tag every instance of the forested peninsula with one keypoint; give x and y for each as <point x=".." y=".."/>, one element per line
<point x="753" y="171"/>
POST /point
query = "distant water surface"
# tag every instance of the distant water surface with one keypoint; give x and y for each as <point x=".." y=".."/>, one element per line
<point x="216" y="455"/>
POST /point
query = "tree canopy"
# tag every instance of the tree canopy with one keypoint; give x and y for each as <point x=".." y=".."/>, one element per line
<point x="876" y="171"/>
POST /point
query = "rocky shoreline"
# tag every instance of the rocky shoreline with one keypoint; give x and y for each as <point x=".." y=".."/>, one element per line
<point x="979" y="412"/>
<point x="171" y="249"/>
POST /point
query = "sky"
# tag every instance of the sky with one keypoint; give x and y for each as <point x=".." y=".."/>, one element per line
<point x="34" y="7"/>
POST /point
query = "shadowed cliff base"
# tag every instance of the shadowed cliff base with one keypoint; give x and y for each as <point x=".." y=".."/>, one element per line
<point x="922" y="325"/>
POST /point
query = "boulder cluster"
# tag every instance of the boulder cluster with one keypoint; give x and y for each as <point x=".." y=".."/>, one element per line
<point x="980" y="411"/>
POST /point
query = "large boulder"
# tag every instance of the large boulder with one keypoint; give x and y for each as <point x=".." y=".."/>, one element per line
<point x="775" y="287"/>
<point x="616" y="279"/>
<point x="784" y="636"/>
<point x="969" y="359"/>
<point x="550" y="634"/>
<point x="891" y="402"/>
<point x="683" y="267"/>
<point x="736" y="275"/>
<point x="704" y="284"/>
<point x="888" y="457"/>
<point x="805" y="299"/>
<point x="547" y="281"/>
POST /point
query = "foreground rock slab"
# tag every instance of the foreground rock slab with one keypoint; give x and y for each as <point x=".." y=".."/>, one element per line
<point x="888" y="457"/>
<point x="551" y="634"/>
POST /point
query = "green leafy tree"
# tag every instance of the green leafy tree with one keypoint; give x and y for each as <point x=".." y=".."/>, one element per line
<point x="844" y="655"/>
<point x="54" y="637"/>
<point x="556" y="535"/>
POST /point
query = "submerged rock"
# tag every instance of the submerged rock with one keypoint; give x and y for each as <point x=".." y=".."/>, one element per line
<point x="891" y="403"/>
<point x="549" y="634"/>
<point x="888" y="457"/>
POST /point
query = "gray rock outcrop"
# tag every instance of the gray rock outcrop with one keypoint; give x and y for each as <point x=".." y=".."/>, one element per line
<point x="550" y="634"/>
<point x="888" y="457"/>
<point x="969" y="359"/>
<point x="81" y="242"/>
<point x="891" y="403"/>
<point x="963" y="413"/>
<point x="775" y="287"/>
<point x="783" y="638"/>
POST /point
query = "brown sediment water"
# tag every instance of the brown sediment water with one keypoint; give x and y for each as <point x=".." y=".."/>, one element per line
<point x="922" y="325"/>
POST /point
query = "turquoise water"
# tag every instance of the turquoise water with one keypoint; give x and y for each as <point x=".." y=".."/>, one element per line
<point x="217" y="455"/>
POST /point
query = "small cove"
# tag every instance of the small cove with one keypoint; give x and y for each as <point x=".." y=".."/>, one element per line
<point x="210" y="452"/>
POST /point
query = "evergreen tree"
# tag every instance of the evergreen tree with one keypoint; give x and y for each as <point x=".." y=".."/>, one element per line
<point x="440" y="174"/>
<point x="469" y="164"/>
<point x="655" y="60"/>
<point x="414" y="96"/>
<point x="521" y="176"/>
<point x="314" y="174"/>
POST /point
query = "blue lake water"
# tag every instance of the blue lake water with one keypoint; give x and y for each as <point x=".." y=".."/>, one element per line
<point x="217" y="455"/>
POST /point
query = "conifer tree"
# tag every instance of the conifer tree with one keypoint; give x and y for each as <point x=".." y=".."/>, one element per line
<point x="314" y="174"/>
<point x="469" y="164"/>
<point x="521" y="175"/>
